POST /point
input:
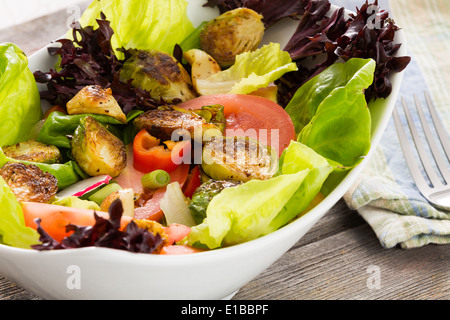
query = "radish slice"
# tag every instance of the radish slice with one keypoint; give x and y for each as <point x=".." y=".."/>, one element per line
<point x="82" y="187"/>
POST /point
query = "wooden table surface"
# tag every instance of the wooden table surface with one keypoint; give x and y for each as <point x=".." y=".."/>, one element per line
<point x="337" y="259"/>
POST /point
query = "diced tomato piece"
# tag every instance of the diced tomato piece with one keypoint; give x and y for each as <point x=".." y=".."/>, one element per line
<point x="55" y="218"/>
<point x="176" y="232"/>
<point x="179" y="249"/>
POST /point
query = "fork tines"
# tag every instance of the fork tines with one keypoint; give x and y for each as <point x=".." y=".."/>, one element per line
<point x="436" y="151"/>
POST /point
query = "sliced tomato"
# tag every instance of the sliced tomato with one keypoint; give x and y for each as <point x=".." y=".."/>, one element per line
<point x="176" y="232"/>
<point x="179" y="249"/>
<point x="55" y="218"/>
<point x="252" y="116"/>
<point x="151" y="210"/>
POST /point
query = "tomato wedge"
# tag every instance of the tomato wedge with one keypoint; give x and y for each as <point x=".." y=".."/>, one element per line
<point x="55" y="218"/>
<point x="252" y="116"/>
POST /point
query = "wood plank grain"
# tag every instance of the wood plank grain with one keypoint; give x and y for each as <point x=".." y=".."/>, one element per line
<point x="337" y="267"/>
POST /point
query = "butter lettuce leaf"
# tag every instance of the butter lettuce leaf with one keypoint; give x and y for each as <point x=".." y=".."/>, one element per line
<point x="20" y="105"/>
<point x="156" y="24"/>
<point x="251" y="71"/>
<point x="330" y="112"/>
<point x="13" y="231"/>
<point x="258" y="207"/>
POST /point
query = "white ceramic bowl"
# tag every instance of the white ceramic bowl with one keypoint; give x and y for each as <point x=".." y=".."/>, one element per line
<point x="101" y="273"/>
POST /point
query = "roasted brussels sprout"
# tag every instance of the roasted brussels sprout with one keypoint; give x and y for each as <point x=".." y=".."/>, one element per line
<point x="159" y="73"/>
<point x="164" y="121"/>
<point x="204" y="194"/>
<point x="34" y="151"/>
<point x="95" y="99"/>
<point x="239" y="159"/>
<point x="96" y="150"/>
<point x="234" y="32"/>
<point x="28" y="182"/>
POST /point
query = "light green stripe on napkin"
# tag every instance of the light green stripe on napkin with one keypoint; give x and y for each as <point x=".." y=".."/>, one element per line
<point x="395" y="217"/>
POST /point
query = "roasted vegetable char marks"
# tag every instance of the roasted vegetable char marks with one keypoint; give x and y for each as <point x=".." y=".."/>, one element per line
<point x="96" y="150"/>
<point x="164" y="121"/>
<point x="28" y="182"/>
<point x="33" y="151"/>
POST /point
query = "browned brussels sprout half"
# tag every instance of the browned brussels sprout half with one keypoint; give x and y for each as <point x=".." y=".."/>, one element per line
<point x="96" y="150"/>
<point x="234" y="32"/>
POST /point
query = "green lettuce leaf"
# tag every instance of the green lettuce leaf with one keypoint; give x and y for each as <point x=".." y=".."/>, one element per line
<point x="259" y="207"/>
<point x="20" y="106"/>
<point x="251" y="71"/>
<point x="13" y="231"/>
<point x="156" y="24"/>
<point x="331" y="115"/>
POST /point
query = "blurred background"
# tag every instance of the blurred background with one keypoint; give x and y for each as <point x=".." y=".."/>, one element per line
<point x="15" y="12"/>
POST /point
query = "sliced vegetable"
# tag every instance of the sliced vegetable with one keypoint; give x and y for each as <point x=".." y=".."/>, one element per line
<point x="20" y="107"/>
<point x="34" y="151"/>
<point x="238" y="159"/>
<point x="176" y="232"/>
<point x="193" y="182"/>
<point x="149" y="155"/>
<point x="155" y="179"/>
<point x="55" y="218"/>
<point x="251" y="116"/>
<point x="67" y="173"/>
<point x="109" y="232"/>
<point x="151" y="209"/>
<point x="173" y="123"/>
<point x="175" y="206"/>
<point x="28" y="182"/>
<point x="85" y="186"/>
<point x="179" y="249"/>
<point x="99" y="195"/>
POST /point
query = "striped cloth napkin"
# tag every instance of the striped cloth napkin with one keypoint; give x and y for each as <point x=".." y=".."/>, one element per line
<point x="385" y="194"/>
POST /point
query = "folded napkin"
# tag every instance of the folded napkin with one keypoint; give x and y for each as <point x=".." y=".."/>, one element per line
<point x="385" y="194"/>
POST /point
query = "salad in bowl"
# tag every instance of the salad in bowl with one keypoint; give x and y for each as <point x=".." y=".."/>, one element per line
<point x="175" y="149"/>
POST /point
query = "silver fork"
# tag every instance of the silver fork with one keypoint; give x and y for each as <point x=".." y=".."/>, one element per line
<point x="437" y="189"/>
